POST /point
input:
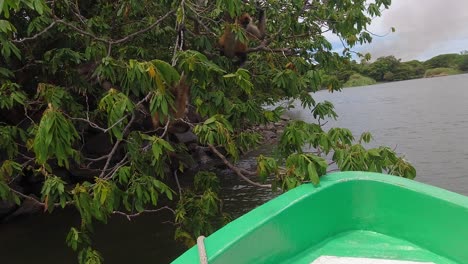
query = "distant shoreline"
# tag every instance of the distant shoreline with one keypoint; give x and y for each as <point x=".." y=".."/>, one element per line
<point x="432" y="77"/>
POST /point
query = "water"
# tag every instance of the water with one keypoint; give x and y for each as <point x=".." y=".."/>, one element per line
<point x="426" y="120"/>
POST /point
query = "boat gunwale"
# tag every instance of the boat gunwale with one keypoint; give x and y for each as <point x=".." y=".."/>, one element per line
<point x="218" y="242"/>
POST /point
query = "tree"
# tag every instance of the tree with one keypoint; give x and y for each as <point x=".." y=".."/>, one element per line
<point x="120" y="73"/>
<point x="443" y="61"/>
<point x="463" y="66"/>
<point x="382" y="66"/>
<point x="409" y="70"/>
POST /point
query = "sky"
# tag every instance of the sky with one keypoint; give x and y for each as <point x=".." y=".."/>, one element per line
<point x="424" y="29"/>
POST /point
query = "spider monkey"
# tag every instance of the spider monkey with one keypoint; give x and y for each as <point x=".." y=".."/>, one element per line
<point x="181" y="92"/>
<point x="231" y="47"/>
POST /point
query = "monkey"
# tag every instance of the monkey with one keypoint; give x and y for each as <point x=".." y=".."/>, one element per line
<point x="181" y="92"/>
<point x="232" y="47"/>
<point x="290" y="66"/>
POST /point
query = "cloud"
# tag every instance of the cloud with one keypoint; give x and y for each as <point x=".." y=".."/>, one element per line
<point x="424" y="28"/>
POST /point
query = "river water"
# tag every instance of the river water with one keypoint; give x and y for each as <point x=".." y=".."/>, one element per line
<point x="426" y="120"/>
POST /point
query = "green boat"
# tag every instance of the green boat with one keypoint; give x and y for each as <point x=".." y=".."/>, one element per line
<point x="351" y="217"/>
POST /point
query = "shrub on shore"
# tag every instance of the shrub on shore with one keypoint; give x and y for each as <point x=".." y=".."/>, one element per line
<point x="359" y="80"/>
<point x="437" y="72"/>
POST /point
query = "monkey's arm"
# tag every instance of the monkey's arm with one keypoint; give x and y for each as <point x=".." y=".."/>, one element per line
<point x="261" y="23"/>
<point x="257" y="31"/>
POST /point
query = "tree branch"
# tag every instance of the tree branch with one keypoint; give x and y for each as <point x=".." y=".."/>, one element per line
<point x="143" y="30"/>
<point x="39" y="203"/>
<point x="110" y="42"/>
<point x="288" y="51"/>
<point x="130" y="216"/>
<point x="83" y="32"/>
<point x="36" y="35"/>
<point x="28" y="197"/>
<point x="122" y="163"/>
<point x="235" y="169"/>
<point x="116" y="145"/>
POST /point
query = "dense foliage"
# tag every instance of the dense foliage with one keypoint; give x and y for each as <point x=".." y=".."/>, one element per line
<point x="358" y="80"/>
<point x="90" y="93"/>
<point x="444" y="61"/>
<point x="440" y="72"/>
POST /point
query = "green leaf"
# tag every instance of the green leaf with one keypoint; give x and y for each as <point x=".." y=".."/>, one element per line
<point x="6" y="26"/>
<point x="2" y="2"/>
<point x="168" y="73"/>
<point x="312" y="171"/>
<point x="38" y="6"/>
<point x="54" y="138"/>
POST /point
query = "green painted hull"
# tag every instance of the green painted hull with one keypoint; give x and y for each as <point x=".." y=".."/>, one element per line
<point x="350" y="214"/>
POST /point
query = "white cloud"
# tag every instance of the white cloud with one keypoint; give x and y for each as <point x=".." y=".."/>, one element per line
<point x="424" y="28"/>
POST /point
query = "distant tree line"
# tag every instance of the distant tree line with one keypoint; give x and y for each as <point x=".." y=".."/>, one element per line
<point x="389" y="68"/>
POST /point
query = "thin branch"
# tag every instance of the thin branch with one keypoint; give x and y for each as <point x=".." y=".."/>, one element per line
<point x="130" y="216"/>
<point x="166" y="128"/>
<point x="97" y="159"/>
<point x="110" y="42"/>
<point x="116" y="145"/>
<point x="377" y="35"/>
<point x="96" y="126"/>
<point x="27" y="116"/>
<point x="122" y="163"/>
<point x="235" y="169"/>
<point x="105" y="130"/>
<point x="27" y="197"/>
<point x="36" y="35"/>
<point x="128" y="37"/>
<point x="288" y="51"/>
<point x="178" y="183"/>
<point x="207" y="29"/>
<point x="179" y="43"/>
<point x="83" y="32"/>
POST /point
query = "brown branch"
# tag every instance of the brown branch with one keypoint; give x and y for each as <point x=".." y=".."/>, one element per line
<point x="207" y="29"/>
<point x="36" y="35"/>
<point x="34" y="199"/>
<point x="28" y="197"/>
<point x="105" y="130"/>
<point x="96" y="126"/>
<point x="130" y="216"/>
<point x="83" y="32"/>
<point x="122" y="163"/>
<point x="111" y="41"/>
<point x="178" y="183"/>
<point x="116" y="145"/>
<point x="143" y="30"/>
<point x="289" y="51"/>
<point x="235" y="169"/>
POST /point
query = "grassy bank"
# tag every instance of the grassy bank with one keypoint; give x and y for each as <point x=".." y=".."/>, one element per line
<point x="359" y="80"/>
<point x="441" y="72"/>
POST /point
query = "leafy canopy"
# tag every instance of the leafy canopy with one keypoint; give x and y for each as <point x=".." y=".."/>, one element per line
<point x="81" y="80"/>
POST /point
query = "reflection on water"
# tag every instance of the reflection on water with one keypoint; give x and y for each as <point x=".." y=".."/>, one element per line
<point x="426" y="120"/>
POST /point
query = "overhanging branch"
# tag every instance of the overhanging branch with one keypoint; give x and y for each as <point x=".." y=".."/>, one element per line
<point x="130" y="216"/>
<point x="235" y="169"/>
